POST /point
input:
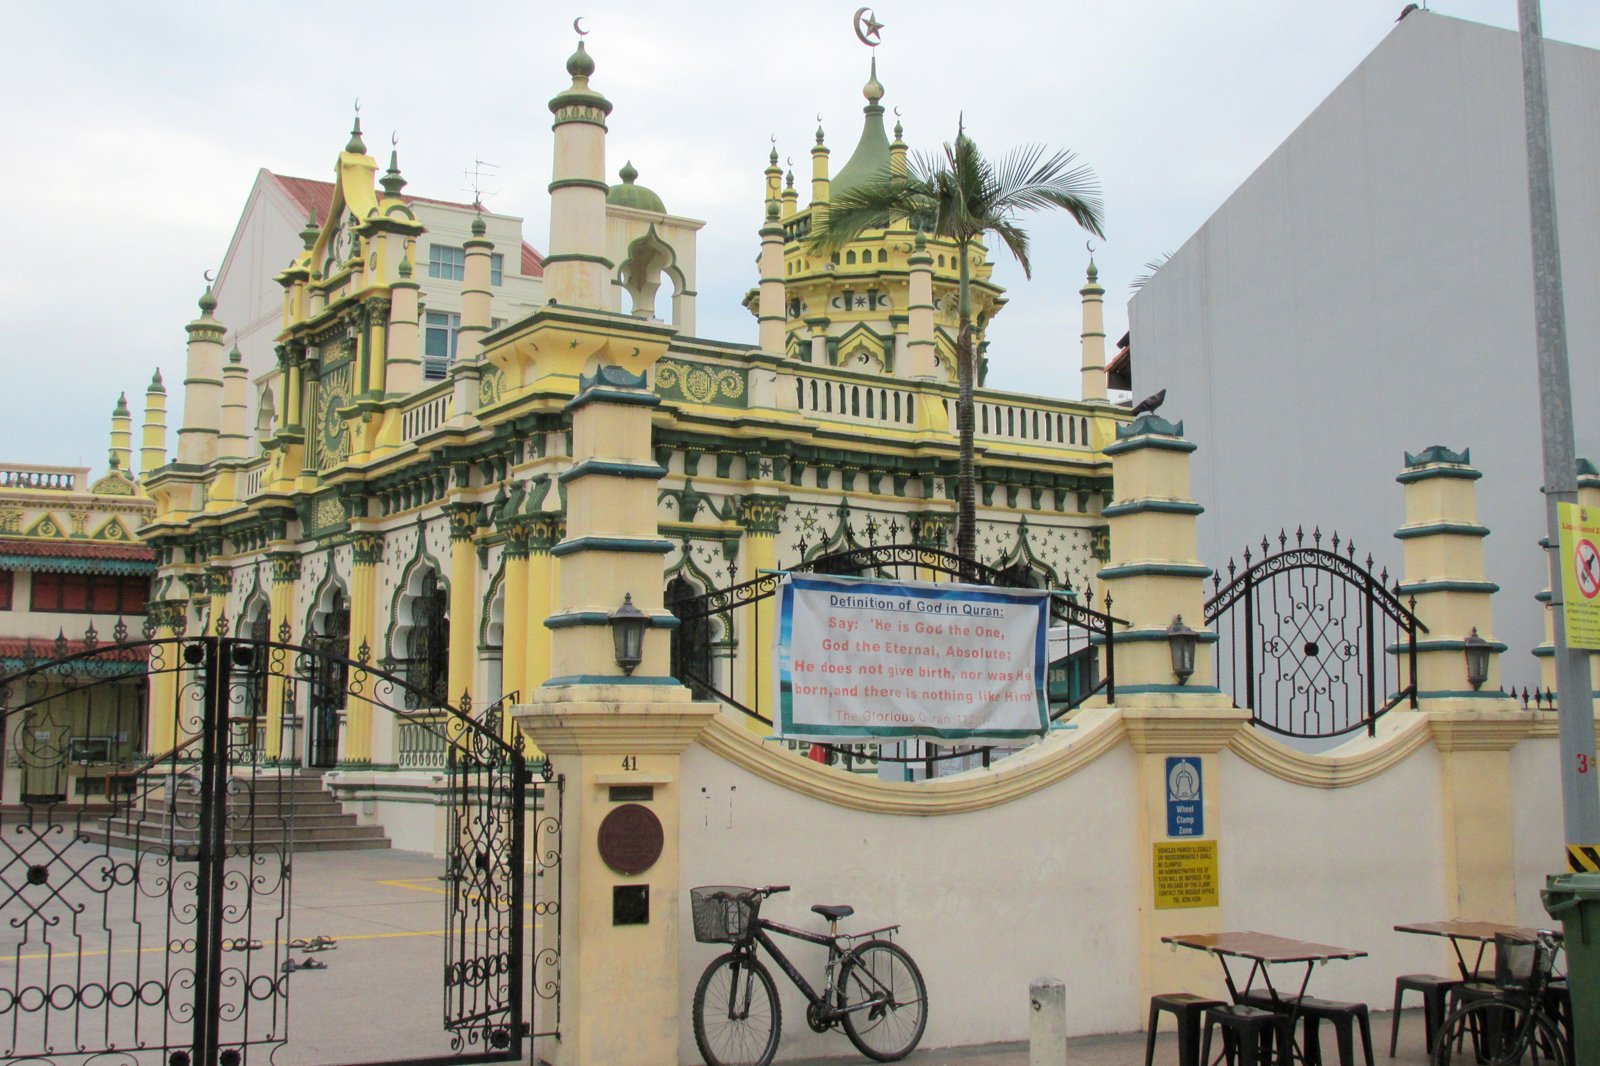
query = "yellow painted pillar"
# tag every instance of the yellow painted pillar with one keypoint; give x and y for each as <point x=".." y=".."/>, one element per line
<point x="463" y="602"/>
<point x="280" y="601"/>
<point x="218" y="582"/>
<point x="367" y="553"/>
<point x="1093" y="383"/>
<point x="602" y="727"/>
<point x="164" y="712"/>
<point x="1172" y="722"/>
<point x="760" y="516"/>
<point x="1474" y="728"/>
<point x="514" y="639"/>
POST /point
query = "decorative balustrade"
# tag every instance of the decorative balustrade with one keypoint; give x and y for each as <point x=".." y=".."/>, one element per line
<point x="853" y="401"/>
<point x="1024" y="423"/>
<point x="426" y="415"/>
<point x="32" y="476"/>
<point x="250" y="480"/>
<point x="421" y="740"/>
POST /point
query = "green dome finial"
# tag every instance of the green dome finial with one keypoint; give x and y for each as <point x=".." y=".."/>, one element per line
<point x="208" y="303"/>
<point x="405" y="266"/>
<point x="772" y="210"/>
<point x="899" y="133"/>
<point x="579" y="64"/>
<point x="234" y="356"/>
<point x="356" y="143"/>
<point x="156" y="384"/>
<point x="392" y="181"/>
<point x="308" y="235"/>
<point x="819" y="133"/>
<point x="635" y="196"/>
<point x="479" y="227"/>
<point x="121" y="410"/>
<point x="788" y="180"/>
<point x="772" y="159"/>
<point x="873" y="90"/>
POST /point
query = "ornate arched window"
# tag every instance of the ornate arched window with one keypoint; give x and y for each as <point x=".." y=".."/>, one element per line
<point x="425" y="643"/>
<point x="330" y="636"/>
<point x="691" y="642"/>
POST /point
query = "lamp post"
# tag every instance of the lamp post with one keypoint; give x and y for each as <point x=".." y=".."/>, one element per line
<point x="1181" y="641"/>
<point x="628" y="624"/>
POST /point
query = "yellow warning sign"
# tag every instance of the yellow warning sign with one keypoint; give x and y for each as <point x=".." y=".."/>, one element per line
<point x="1584" y="858"/>
<point x="1580" y="573"/>
<point x="1185" y="873"/>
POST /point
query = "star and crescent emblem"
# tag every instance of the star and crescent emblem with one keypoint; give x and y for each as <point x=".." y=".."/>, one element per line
<point x="868" y="28"/>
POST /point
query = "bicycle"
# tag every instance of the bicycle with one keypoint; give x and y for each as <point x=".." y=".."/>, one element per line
<point x="871" y="987"/>
<point x="1508" y="1022"/>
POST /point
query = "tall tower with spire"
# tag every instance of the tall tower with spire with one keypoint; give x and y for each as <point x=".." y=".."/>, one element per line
<point x="576" y="270"/>
<point x="1094" y="336"/>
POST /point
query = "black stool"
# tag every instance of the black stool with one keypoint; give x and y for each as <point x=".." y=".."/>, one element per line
<point x="1344" y="1017"/>
<point x="1248" y="1030"/>
<point x="1187" y="1008"/>
<point x="1435" y="993"/>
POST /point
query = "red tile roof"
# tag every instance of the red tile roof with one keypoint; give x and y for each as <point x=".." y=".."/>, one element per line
<point x="317" y="196"/>
<point x="44" y="650"/>
<point x="75" y="549"/>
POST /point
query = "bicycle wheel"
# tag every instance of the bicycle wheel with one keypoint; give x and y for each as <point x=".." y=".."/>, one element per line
<point x="1497" y="1033"/>
<point x="737" y="1017"/>
<point x="882" y="974"/>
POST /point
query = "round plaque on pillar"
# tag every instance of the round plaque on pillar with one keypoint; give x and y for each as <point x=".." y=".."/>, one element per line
<point x="631" y="839"/>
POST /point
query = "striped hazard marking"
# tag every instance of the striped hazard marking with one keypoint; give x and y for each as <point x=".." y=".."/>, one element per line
<point x="1584" y="858"/>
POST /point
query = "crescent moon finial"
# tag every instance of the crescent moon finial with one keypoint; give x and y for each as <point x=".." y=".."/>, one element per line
<point x="819" y="116"/>
<point x="577" y="28"/>
<point x="774" y="138"/>
<point x="1089" y="245"/>
<point x="394" y="138"/>
<point x="358" y="105"/>
<point x="897" y="112"/>
<point x="790" y="161"/>
<point x="209" y="276"/>
<point x="869" y="31"/>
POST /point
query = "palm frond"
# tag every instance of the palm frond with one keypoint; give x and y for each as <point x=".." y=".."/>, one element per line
<point x="1150" y="271"/>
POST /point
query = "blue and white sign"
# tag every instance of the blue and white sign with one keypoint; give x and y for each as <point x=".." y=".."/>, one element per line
<point x="864" y="658"/>
<point x="1186" y="815"/>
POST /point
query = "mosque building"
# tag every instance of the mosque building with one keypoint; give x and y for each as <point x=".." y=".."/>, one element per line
<point x="411" y="511"/>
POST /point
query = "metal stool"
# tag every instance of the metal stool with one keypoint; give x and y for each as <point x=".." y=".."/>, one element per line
<point x="1435" y="993"/>
<point x="1247" y="1030"/>
<point x="1345" y="1017"/>
<point x="1187" y="1008"/>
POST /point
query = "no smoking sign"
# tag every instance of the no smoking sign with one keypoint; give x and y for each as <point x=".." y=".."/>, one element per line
<point x="1586" y="561"/>
<point x="1580" y="574"/>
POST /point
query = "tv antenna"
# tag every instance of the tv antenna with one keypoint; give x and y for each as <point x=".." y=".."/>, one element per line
<point x="476" y="175"/>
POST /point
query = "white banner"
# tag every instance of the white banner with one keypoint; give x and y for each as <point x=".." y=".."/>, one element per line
<point x="863" y="658"/>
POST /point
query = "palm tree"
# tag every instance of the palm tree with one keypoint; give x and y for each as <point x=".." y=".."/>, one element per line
<point x="962" y="197"/>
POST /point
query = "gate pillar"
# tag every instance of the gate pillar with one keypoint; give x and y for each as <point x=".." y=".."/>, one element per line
<point x="1154" y="577"/>
<point x="614" y="732"/>
<point x="1474" y="729"/>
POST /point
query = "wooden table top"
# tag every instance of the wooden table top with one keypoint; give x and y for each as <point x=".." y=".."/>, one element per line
<point x="1461" y="929"/>
<point x="1262" y="947"/>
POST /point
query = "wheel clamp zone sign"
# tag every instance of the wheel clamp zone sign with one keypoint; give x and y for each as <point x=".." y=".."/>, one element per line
<point x="862" y="658"/>
<point x="1580" y="573"/>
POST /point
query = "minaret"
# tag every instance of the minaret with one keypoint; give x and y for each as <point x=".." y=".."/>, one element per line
<point x="770" y="309"/>
<point x="153" y="434"/>
<point x="791" y="198"/>
<point x="897" y="151"/>
<point x="1094" y="336"/>
<point x="121" y="457"/>
<point x="575" y="271"/>
<point x="819" y="182"/>
<point x="202" y="387"/>
<point x="921" y="354"/>
<point x="403" y="360"/>
<point x="774" y="176"/>
<point x="475" y="294"/>
<point x="234" y="440"/>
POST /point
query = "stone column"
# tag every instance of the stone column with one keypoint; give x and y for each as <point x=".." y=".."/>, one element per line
<point x="602" y="728"/>
<point x="463" y="601"/>
<point x="1474" y="730"/>
<point x="758" y="551"/>
<point x="1094" y="337"/>
<point x="772" y="301"/>
<point x="280" y="602"/>
<point x="514" y="639"/>
<point x="366" y="553"/>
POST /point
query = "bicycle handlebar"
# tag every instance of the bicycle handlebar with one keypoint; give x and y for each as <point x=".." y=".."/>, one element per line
<point x="773" y="890"/>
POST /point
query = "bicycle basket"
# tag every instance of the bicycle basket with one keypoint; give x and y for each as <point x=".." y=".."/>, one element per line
<point x="723" y="914"/>
<point x="1521" y="965"/>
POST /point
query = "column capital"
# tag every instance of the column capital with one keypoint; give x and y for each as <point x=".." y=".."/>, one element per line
<point x="761" y="514"/>
<point x="463" y="520"/>
<point x="367" y="548"/>
<point x="285" y="567"/>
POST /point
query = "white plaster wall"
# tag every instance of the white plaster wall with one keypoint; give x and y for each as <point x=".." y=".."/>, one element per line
<point x="1339" y="866"/>
<point x="988" y="900"/>
<point x="1368" y="291"/>
<point x="1540" y="837"/>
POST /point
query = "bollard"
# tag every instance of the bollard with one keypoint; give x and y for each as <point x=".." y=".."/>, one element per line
<point x="1047" y="1022"/>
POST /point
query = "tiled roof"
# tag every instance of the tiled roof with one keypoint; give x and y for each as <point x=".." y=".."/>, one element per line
<point x="75" y="549"/>
<point x="12" y="648"/>
<point x="317" y="196"/>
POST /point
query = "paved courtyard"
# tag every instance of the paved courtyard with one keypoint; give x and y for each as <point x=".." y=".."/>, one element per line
<point x="380" y="996"/>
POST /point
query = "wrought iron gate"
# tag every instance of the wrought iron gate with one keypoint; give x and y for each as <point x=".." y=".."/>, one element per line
<point x="1084" y="655"/>
<point x="145" y="898"/>
<point x="1308" y="638"/>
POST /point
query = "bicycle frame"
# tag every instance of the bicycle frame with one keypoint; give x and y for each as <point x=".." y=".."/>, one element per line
<point x="819" y="1001"/>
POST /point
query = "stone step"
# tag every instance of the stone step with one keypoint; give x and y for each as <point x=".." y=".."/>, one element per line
<point x="341" y="842"/>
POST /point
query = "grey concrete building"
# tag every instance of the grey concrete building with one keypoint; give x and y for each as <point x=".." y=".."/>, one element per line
<point x="1368" y="291"/>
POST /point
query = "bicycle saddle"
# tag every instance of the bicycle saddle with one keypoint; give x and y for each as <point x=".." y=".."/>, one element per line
<point x="833" y="913"/>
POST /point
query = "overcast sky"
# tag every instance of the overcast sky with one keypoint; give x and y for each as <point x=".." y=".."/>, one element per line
<point x="132" y="133"/>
